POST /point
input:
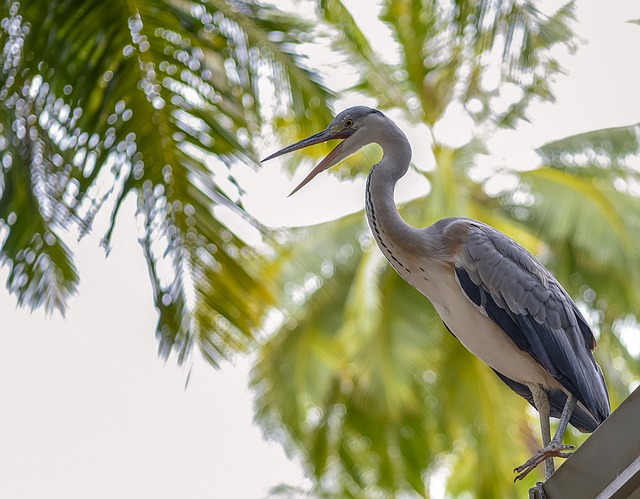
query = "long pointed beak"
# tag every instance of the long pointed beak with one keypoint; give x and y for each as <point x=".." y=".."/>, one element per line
<point x="331" y="159"/>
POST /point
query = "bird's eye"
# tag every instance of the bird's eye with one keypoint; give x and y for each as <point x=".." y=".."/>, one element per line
<point x="348" y="123"/>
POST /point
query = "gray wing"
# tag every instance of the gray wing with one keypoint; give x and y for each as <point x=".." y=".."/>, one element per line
<point x="525" y="300"/>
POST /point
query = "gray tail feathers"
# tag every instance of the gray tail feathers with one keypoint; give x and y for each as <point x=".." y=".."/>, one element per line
<point x="580" y="419"/>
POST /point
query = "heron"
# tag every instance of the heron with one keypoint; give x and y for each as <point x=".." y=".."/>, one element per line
<point x="493" y="295"/>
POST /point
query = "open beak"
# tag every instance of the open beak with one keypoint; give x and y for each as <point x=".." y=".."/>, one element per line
<point x="334" y="157"/>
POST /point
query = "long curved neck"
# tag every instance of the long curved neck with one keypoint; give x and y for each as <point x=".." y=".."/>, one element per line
<point x="391" y="232"/>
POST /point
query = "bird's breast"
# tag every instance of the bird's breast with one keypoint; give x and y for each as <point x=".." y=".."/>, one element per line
<point x="477" y="332"/>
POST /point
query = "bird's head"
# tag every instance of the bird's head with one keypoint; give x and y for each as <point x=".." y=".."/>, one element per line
<point x="351" y="125"/>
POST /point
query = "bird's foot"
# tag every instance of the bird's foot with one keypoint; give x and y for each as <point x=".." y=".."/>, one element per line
<point x="550" y="451"/>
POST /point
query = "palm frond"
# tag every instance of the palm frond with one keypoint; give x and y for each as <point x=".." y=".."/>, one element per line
<point x="380" y="78"/>
<point x="161" y="99"/>
<point x="492" y="55"/>
<point x="41" y="269"/>
<point x="606" y="149"/>
<point x="583" y="198"/>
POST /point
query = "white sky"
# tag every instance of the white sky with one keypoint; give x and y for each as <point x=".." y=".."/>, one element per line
<point x="88" y="410"/>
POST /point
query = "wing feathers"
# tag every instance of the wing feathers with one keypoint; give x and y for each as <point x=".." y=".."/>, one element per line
<point x="524" y="299"/>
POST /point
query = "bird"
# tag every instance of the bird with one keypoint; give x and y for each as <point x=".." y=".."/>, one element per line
<point x="491" y="293"/>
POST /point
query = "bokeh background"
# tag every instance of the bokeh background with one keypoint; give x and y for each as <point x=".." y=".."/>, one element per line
<point x="135" y="131"/>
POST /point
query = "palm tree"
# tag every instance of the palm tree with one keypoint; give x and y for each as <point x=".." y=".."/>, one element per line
<point x="362" y="375"/>
<point x="162" y="100"/>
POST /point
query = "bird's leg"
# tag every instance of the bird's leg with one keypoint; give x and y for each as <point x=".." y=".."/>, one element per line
<point x="541" y="400"/>
<point x="569" y="406"/>
<point x="555" y="448"/>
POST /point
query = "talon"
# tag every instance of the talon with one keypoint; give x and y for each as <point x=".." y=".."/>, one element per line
<point x="523" y="474"/>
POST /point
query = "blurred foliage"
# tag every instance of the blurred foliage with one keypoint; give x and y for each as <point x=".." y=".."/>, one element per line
<point x="494" y="57"/>
<point x="362" y="376"/>
<point x="159" y="99"/>
<point x="165" y="99"/>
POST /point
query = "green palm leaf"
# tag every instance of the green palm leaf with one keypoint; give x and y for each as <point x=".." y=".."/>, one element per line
<point x="465" y="51"/>
<point x="582" y="198"/>
<point x="156" y="98"/>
